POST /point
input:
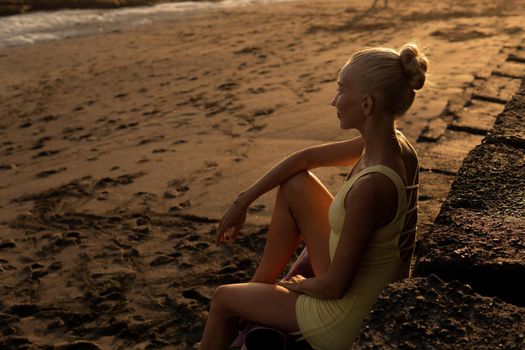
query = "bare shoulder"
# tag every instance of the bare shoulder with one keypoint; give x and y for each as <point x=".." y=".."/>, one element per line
<point x="372" y="197"/>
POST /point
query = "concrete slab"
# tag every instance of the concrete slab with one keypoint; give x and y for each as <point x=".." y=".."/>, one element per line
<point x="476" y="117"/>
<point x="434" y="130"/>
<point x="427" y="313"/>
<point x="497" y="89"/>
<point x="511" y="69"/>
<point x="517" y="56"/>
<point x="446" y="155"/>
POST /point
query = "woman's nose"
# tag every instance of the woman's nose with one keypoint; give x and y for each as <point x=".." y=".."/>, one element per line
<point x="334" y="100"/>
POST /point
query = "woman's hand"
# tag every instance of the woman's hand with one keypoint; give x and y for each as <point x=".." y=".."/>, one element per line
<point x="293" y="283"/>
<point x="231" y="223"/>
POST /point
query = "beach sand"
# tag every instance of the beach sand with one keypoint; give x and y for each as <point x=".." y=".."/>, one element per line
<point x="121" y="151"/>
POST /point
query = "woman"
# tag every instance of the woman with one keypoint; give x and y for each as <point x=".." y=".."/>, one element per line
<point x="358" y="241"/>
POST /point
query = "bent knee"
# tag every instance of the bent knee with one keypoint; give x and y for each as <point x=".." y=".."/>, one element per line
<point x="296" y="182"/>
<point x="305" y="182"/>
<point x="220" y="296"/>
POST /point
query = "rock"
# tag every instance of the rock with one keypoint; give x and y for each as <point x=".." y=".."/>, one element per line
<point x="477" y="237"/>
<point x="509" y="127"/>
<point x="427" y="313"/>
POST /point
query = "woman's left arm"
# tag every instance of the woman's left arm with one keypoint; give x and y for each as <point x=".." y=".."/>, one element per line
<point x="369" y="205"/>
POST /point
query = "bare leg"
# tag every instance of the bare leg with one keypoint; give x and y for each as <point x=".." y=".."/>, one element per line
<point x="300" y="212"/>
<point x="265" y="304"/>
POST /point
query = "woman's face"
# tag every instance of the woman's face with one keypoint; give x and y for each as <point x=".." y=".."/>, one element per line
<point x="348" y="101"/>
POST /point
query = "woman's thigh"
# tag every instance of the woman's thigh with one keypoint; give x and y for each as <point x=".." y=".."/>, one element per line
<point x="309" y="201"/>
<point x="262" y="303"/>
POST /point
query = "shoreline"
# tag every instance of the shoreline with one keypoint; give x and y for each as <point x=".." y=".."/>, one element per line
<point x="12" y="7"/>
<point x="43" y="26"/>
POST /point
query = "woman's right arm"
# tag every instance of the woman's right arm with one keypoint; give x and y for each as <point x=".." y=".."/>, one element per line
<point x="342" y="153"/>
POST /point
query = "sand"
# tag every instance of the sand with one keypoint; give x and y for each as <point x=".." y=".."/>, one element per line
<point x="120" y="152"/>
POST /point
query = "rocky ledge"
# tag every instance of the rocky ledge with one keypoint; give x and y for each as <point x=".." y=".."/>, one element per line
<point x="427" y="313"/>
<point x="478" y="235"/>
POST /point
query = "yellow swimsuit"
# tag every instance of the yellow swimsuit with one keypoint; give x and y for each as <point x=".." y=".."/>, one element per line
<point x="330" y="324"/>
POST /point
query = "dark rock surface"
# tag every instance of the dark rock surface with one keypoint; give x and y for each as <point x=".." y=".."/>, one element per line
<point x="478" y="235"/>
<point x="427" y="313"/>
<point x="489" y="182"/>
<point x="509" y="127"/>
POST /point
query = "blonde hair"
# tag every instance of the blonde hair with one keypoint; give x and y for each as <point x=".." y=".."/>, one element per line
<point x="390" y="76"/>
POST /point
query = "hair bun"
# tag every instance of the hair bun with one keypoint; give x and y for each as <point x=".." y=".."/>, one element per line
<point x="414" y="64"/>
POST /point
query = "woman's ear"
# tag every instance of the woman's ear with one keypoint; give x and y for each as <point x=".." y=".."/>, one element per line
<point x="368" y="104"/>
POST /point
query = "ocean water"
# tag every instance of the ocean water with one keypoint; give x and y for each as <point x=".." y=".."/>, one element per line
<point x="34" y="27"/>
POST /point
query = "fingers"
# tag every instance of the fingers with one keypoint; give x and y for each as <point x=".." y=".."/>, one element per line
<point x="223" y="235"/>
<point x="290" y="285"/>
<point x="227" y="223"/>
<point x="220" y="233"/>
<point x="235" y="232"/>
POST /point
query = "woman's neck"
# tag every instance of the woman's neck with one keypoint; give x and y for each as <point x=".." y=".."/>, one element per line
<point x="380" y="139"/>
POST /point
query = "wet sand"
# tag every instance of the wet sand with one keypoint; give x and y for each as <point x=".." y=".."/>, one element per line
<point x="121" y="151"/>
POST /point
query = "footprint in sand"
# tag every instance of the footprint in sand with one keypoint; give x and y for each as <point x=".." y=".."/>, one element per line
<point x="195" y="295"/>
<point x="25" y="124"/>
<point x="178" y="184"/>
<point x="40" y="142"/>
<point x="161" y="260"/>
<point x="7" y="245"/>
<point x="227" y="86"/>
<point x="48" y="118"/>
<point x="47" y="173"/>
<point x="151" y="139"/>
<point x="185" y="204"/>
<point x="45" y="154"/>
<point x="78" y="345"/>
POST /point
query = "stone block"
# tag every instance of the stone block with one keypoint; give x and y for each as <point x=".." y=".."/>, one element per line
<point x="427" y="313"/>
<point x="476" y="117"/>
<point x="446" y="155"/>
<point x="509" y="127"/>
<point x="434" y="130"/>
<point x="497" y="89"/>
<point x="491" y="180"/>
<point x="478" y="235"/>
<point x="511" y="69"/>
<point x="517" y="56"/>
